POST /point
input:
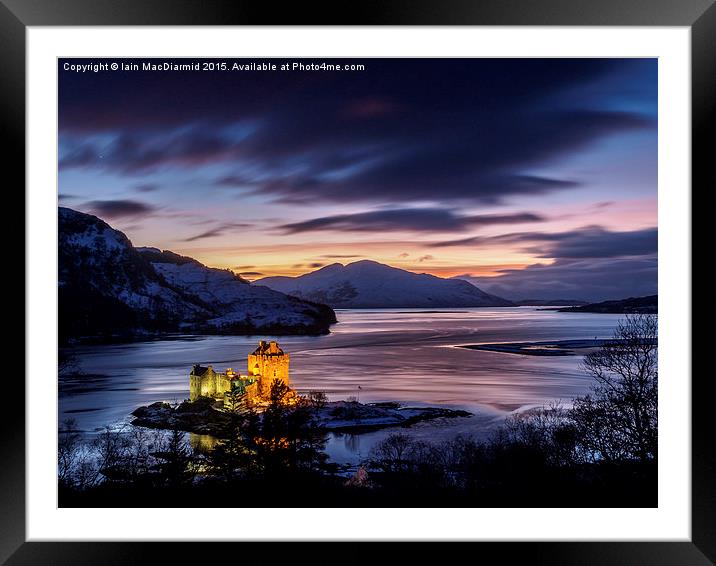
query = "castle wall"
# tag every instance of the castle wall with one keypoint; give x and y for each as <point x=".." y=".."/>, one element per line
<point x="202" y="385"/>
<point x="210" y="384"/>
<point x="194" y="387"/>
<point x="222" y="384"/>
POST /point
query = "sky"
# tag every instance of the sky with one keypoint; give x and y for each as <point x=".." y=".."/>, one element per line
<point x="532" y="178"/>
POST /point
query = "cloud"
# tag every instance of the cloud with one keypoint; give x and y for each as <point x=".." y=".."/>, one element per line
<point x="427" y="257"/>
<point x="406" y="219"/>
<point x="596" y="242"/>
<point x="369" y="108"/>
<point x="219" y="230"/>
<point x="340" y="256"/>
<point x="591" y="264"/>
<point x="250" y="274"/>
<point x="146" y="187"/>
<point x="315" y="265"/>
<point x="588" y="242"/>
<point x="404" y="255"/>
<point x="404" y="131"/>
<point x="142" y="152"/>
<point x="125" y="208"/>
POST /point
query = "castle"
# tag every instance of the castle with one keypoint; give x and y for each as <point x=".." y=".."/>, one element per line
<point x="265" y="364"/>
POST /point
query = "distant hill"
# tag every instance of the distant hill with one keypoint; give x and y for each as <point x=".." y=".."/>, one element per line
<point x="369" y="284"/>
<point x="549" y="303"/>
<point x="646" y="305"/>
<point x="109" y="288"/>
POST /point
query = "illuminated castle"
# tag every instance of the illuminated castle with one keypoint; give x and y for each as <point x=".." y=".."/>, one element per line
<point x="265" y="364"/>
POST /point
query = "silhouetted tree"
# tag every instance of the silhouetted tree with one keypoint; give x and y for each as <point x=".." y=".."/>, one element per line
<point x="316" y="399"/>
<point x="289" y="439"/>
<point x="618" y="419"/>
<point x="235" y="453"/>
<point x="111" y="447"/>
<point x="393" y="453"/>
<point x="69" y="449"/>
<point x="176" y="460"/>
<point x="550" y="429"/>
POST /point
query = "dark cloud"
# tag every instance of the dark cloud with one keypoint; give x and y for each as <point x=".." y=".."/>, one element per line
<point x="142" y="152"/>
<point x="219" y="230"/>
<point x="427" y="257"/>
<point x="404" y="254"/>
<point x="584" y="279"/>
<point x="119" y="208"/>
<point x="315" y="265"/>
<point x="340" y="256"/>
<point x="65" y="197"/>
<point x="410" y="219"/>
<point x="146" y="187"/>
<point x="370" y="108"/>
<point x="591" y="264"/>
<point x="250" y="274"/>
<point x="405" y="130"/>
<point x="242" y="267"/>
<point x="603" y="204"/>
<point x="595" y="242"/>
<point x="589" y="242"/>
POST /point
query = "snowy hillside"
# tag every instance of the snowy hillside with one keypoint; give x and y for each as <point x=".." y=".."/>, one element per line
<point x="368" y="284"/>
<point x="235" y="300"/>
<point x="108" y="288"/>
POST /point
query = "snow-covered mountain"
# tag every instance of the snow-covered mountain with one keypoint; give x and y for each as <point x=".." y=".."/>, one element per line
<point x="369" y="284"/>
<point x="107" y="287"/>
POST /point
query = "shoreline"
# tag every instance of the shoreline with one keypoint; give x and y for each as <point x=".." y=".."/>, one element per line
<point x="542" y="348"/>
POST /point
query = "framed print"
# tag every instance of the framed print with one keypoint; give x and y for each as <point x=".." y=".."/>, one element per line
<point x="295" y="277"/>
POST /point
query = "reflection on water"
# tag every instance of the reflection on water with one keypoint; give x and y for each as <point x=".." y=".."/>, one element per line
<point x="375" y="355"/>
<point x="202" y="443"/>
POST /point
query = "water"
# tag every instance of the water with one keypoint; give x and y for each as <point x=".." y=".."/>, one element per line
<point x="405" y="355"/>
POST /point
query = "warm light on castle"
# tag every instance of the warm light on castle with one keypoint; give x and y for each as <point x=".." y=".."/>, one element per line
<point x="265" y="364"/>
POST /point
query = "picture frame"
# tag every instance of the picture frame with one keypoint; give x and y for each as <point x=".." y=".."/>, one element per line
<point x="698" y="15"/>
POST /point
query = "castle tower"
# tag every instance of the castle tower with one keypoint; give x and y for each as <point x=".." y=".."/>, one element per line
<point x="266" y="363"/>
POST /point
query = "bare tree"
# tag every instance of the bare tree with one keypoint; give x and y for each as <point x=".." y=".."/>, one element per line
<point x="111" y="448"/>
<point x="68" y="452"/>
<point x="618" y="419"/>
<point x="316" y="399"/>
<point x="548" y="428"/>
<point x="393" y="453"/>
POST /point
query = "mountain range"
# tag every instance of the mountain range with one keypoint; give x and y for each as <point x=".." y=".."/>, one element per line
<point x="109" y="288"/>
<point x="369" y="284"/>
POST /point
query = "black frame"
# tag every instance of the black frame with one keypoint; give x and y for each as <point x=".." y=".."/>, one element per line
<point x="699" y="15"/>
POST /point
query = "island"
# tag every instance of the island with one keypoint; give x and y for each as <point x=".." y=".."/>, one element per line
<point x="215" y="396"/>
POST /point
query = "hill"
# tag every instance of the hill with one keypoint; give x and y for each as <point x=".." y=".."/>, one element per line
<point x="369" y="284"/>
<point x="109" y="288"/>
